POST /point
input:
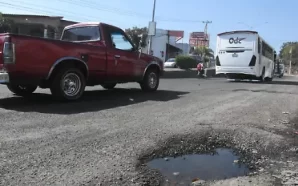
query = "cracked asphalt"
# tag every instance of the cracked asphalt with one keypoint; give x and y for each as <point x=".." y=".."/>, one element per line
<point x="105" y="138"/>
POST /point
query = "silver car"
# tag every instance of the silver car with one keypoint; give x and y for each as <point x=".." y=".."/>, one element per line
<point x="170" y="63"/>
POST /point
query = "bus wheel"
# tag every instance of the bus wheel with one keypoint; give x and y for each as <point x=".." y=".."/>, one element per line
<point x="262" y="78"/>
<point x="272" y="75"/>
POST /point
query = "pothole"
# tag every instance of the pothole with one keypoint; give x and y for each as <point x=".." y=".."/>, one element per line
<point x="222" y="163"/>
<point x="213" y="152"/>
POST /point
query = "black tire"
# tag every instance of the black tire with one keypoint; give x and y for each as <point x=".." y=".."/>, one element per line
<point x="262" y="78"/>
<point x="22" y="90"/>
<point x="150" y="82"/>
<point x="272" y="76"/>
<point x="109" y="85"/>
<point x="65" y="74"/>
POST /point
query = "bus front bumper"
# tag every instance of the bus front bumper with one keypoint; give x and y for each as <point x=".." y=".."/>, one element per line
<point x="235" y="70"/>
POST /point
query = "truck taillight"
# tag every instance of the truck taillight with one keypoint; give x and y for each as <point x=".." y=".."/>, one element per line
<point x="8" y="52"/>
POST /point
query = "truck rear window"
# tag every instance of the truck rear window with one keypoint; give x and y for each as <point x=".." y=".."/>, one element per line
<point x="87" y="33"/>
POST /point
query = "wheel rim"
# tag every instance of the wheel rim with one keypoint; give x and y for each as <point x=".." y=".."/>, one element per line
<point x="22" y="87"/>
<point x="71" y="84"/>
<point x="152" y="80"/>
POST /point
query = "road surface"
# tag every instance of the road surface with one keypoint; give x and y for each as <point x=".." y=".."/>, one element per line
<point x="100" y="140"/>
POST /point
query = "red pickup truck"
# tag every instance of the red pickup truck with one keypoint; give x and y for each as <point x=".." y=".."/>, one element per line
<point x="88" y="54"/>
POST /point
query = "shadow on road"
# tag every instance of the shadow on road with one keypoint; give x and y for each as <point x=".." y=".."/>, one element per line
<point x="92" y="101"/>
<point x="274" y="82"/>
<point x="265" y="91"/>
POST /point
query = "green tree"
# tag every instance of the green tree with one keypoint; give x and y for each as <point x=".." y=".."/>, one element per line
<point x="204" y="52"/>
<point x="6" y="25"/>
<point x="136" y="35"/>
<point x="285" y="54"/>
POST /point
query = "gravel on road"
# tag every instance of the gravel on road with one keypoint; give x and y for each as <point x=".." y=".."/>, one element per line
<point x="105" y="138"/>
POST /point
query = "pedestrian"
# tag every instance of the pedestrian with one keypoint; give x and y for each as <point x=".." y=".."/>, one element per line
<point x="200" y="69"/>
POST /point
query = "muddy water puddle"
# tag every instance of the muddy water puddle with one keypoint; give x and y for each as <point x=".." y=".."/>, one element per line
<point x="221" y="164"/>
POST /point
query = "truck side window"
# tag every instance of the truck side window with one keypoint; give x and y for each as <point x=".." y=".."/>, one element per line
<point x="88" y="33"/>
<point x="120" y="42"/>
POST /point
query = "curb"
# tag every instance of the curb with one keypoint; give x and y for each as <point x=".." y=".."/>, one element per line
<point x="191" y="73"/>
<point x="211" y="73"/>
<point x="176" y="74"/>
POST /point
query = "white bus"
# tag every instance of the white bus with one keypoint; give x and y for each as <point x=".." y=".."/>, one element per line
<point x="244" y="55"/>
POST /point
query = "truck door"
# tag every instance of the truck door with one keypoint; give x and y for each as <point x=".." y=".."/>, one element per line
<point x="122" y="57"/>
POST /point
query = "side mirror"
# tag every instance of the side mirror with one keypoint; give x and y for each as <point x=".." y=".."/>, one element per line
<point x="140" y="52"/>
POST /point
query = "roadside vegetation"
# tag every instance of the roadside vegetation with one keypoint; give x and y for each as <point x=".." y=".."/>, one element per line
<point x="185" y="62"/>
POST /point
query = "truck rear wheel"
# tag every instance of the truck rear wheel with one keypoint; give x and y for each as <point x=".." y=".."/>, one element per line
<point x="150" y="82"/>
<point x="68" y="84"/>
<point x="22" y="90"/>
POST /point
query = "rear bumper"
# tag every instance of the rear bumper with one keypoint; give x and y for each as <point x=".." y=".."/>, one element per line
<point x="4" y="78"/>
<point x="235" y="70"/>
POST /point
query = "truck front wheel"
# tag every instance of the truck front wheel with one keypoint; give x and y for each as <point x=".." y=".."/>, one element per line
<point x="68" y="84"/>
<point x="150" y="82"/>
<point x="109" y="85"/>
<point x="22" y="90"/>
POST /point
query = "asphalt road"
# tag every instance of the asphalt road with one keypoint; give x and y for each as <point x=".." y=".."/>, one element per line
<point x="99" y="140"/>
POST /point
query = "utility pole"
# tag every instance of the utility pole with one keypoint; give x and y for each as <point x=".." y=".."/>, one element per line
<point x="206" y="29"/>
<point x="206" y="26"/>
<point x="167" y="48"/>
<point x="153" y="16"/>
<point x="290" y="67"/>
<point x="206" y="37"/>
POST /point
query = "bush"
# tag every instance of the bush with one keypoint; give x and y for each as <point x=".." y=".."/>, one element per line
<point x="186" y="62"/>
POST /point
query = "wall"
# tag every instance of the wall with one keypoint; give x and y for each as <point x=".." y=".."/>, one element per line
<point x="54" y="25"/>
<point x="185" y="47"/>
<point x="159" y="43"/>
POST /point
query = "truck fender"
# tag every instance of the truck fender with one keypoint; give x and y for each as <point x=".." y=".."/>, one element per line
<point x="64" y="59"/>
<point x="152" y="64"/>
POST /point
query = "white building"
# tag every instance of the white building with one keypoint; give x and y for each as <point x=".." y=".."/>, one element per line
<point x="163" y="44"/>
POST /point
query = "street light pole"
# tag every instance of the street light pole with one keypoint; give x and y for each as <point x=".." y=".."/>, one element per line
<point x="153" y="17"/>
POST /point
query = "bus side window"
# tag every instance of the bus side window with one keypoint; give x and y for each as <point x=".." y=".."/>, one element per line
<point x="259" y="45"/>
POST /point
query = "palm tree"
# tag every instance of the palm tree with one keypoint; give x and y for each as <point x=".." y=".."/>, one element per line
<point x="205" y="53"/>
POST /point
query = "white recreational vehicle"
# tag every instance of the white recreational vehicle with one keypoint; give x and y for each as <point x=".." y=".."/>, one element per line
<point x="244" y="55"/>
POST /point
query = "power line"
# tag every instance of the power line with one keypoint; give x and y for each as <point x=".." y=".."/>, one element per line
<point x="97" y="6"/>
<point x="26" y="8"/>
<point x="94" y="6"/>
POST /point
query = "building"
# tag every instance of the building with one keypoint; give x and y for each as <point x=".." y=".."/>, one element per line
<point x="198" y="39"/>
<point x="164" y="44"/>
<point x="185" y="47"/>
<point x="38" y="25"/>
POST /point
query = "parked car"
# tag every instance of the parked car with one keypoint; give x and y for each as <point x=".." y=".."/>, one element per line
<point x="280" y="74"/>
<point x="170" y="63"/>
<point x="88" y="54"/>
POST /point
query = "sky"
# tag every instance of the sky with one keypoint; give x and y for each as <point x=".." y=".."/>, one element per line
<point x="273" y="19"/>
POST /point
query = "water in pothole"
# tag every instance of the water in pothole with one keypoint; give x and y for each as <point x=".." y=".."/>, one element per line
<point x="222" y="164"/>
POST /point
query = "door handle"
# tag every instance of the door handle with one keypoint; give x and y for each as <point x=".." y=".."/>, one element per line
<point x="117" y="56"/>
